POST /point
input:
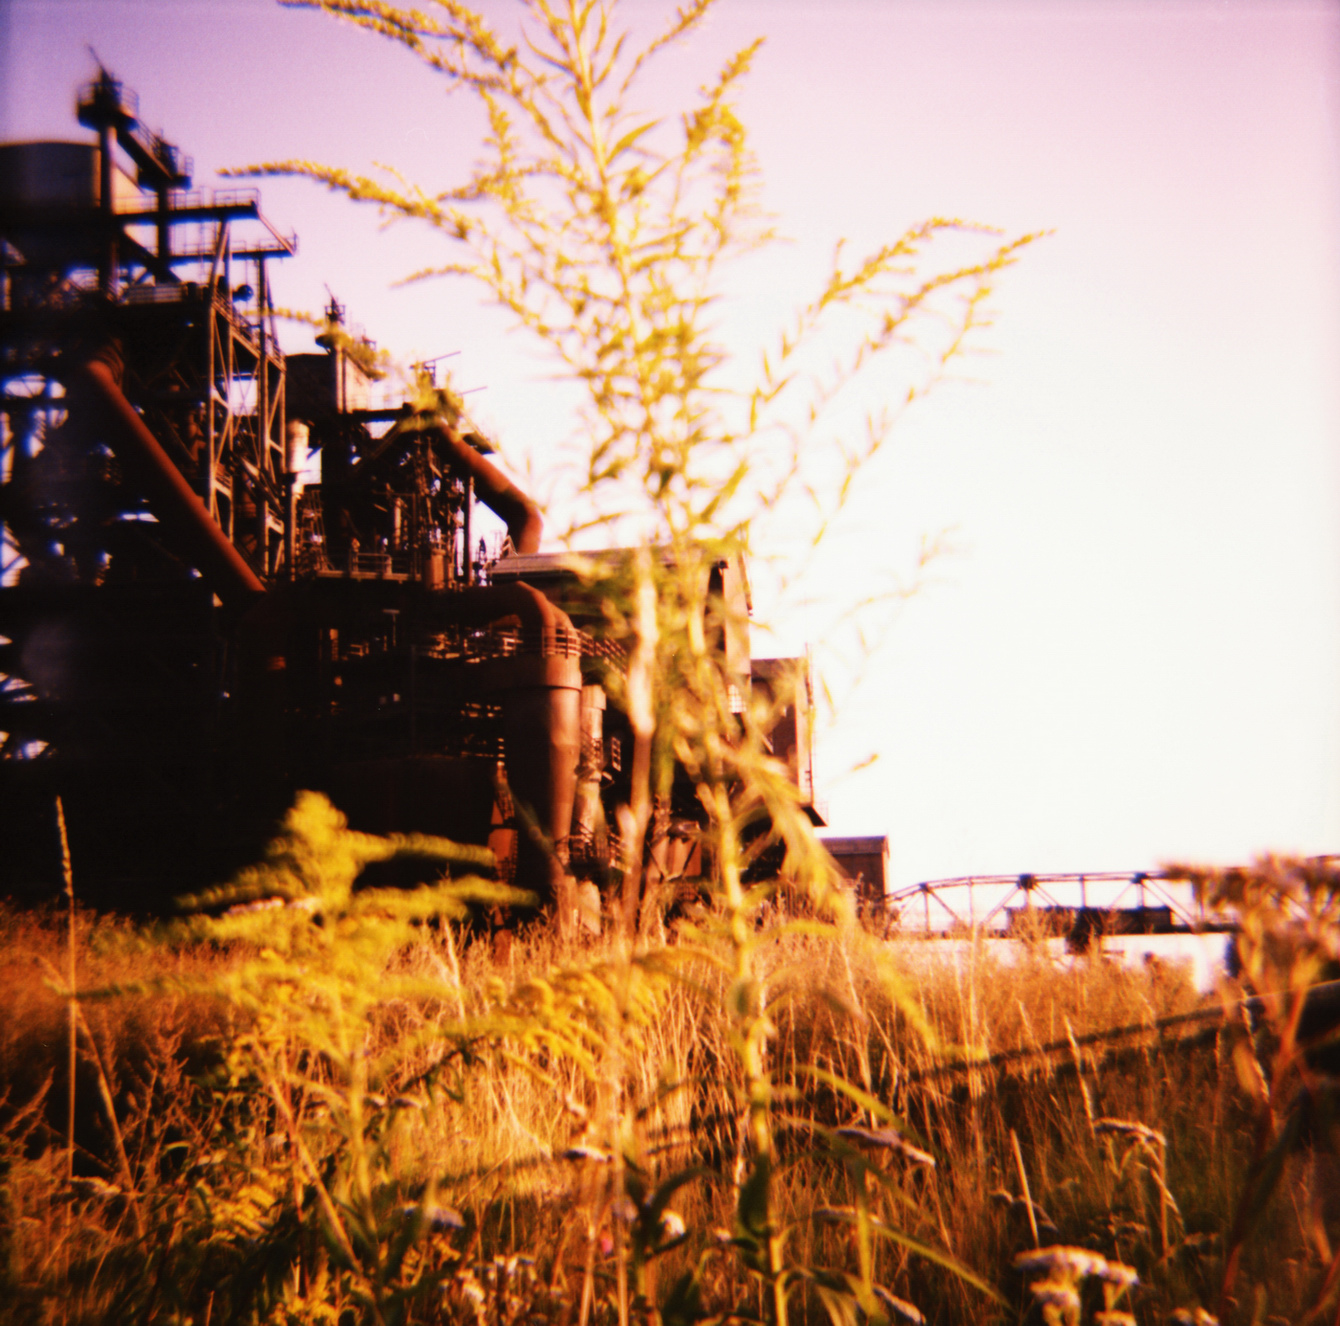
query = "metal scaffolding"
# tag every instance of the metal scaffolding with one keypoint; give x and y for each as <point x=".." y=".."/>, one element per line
<point x="186" y="637"/>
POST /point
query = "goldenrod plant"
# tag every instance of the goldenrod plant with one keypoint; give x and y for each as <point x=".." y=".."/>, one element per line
<point x="292" y="1201"/>
<point x="1287" y="1055"/>
<point x="522" y="1157"/>
<point x="605" y="228"/>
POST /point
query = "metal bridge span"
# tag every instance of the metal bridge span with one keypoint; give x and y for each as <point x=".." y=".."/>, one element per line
<point x="1071" y="905"/>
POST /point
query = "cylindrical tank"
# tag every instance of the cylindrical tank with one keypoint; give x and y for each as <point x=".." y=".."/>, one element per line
<point x="48" y="175"/>
<point x="43" y="178"/>
<point x="541" y="711"/>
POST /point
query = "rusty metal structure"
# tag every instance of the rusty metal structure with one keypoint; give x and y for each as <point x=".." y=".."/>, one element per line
<point x="1078" y="907"/>
<point x="188" y="634"/>
<point x="864" y="863"/>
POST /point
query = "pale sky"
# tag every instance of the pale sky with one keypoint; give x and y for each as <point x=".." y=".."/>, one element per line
<point x="1133" y="654"/>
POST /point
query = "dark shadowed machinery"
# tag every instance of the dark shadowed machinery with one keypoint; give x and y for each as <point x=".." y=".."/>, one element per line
<point x="189" y="633"/>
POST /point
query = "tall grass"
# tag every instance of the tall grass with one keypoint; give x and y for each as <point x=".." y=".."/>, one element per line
<point x="563" y="1131"/>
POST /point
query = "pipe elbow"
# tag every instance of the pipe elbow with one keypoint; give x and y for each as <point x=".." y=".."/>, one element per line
<point x="492" y="603"/>
<point x="526" y="530"/>
<point x="514" y="508"/>
<point x="548" y="616"/>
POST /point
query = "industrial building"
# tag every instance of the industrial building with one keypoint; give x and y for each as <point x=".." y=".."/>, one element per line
<point x="864" y="863"/>
<point x="188" y="634"/>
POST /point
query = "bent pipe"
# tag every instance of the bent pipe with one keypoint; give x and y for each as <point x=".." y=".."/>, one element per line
<point x="481" y="604"/>
<point x="94" y="391"/>
<point x="517" y="511"/>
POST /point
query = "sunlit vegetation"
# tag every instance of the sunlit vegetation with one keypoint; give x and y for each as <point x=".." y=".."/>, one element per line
<point x="320" y="1106"/>
<point x="312" y="1098"/>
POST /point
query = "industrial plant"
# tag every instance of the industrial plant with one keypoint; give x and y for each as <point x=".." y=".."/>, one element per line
<point x="191" y="634"/>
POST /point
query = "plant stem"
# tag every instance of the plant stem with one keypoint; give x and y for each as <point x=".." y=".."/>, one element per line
<point x="1023" y="1183"/>
<point x="109" y="1108"/>
<point x="70" y="982"/>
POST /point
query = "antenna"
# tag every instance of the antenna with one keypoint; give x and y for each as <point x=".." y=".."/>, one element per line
<point x="429" y="366"/>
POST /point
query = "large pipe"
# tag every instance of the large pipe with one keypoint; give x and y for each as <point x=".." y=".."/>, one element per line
<point x="587" y="813"/>
<point x="541" y="695"/>
<point x="542" y="741"/>
<point x="517" y="511"/>
<point x="483" y="604"/>
<point x="94" y="393"/>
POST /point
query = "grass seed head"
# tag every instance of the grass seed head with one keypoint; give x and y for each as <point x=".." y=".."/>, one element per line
<point x="583" y="1152"/>
<point x="1118" y="1274"/>
<point x="1075" y="1263"/>
<point x="899" y="1309"/>
<point x="885" y="1139"/>
<point x="1128" y="1128"/>
<point x="435" y="1217"/>
<point x="1055" y="1294"/>
<point x="834" y="1215"/>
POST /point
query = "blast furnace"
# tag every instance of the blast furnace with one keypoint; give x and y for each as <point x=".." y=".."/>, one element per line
<point x="188" y="634"/>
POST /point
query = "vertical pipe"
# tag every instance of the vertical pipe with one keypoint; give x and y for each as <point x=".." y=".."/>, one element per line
<point x="290" y="546"/>
<point x="264" y="457"/>
<point x="107" y="206"/>
<point x="164" y="230"/>
<point x="211" y="493"/>
<point x="262" y="370"/>
<point x="587" y="811"/>
<point x="294" y="439"/>
<point x="227" y="364"/>
<point x="542" y="741"/>
<point x="468" y="566"/>
<point x="449" y="552"/>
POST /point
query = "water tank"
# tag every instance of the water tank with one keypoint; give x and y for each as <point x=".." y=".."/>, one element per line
<point x="40" y="176"/>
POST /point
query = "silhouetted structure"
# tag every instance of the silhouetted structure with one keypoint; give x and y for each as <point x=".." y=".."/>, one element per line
<point x="190" y="635"/>
<point x="865" y="862"/>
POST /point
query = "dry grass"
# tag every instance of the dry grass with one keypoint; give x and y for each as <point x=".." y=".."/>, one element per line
<point x="486" y="1122"/>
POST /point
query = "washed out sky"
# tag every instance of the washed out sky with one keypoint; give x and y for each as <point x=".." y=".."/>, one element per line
<point x="1132" y="651"/>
